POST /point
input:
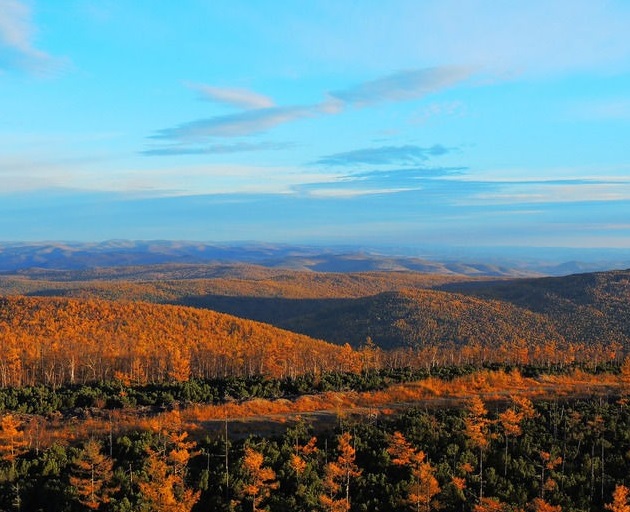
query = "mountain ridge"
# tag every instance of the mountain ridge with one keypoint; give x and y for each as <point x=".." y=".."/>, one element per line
<point x="19" y="256"/>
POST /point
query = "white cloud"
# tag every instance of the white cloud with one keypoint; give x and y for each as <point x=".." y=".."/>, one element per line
<point x="345" y="193"/>
<point x="209" y="179"/>
<point x="235" y="125"/>
<point x="539" y="193"/>
<point x="17" y="49"/>
<point x="408" y="154"/>
<point x="241" y="98"/>
<point x="403" y="85"/>
<point x="215" y="149"/>
<point x="22" y="173"/>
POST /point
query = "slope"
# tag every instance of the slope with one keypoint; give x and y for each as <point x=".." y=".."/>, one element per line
<point x="420" y="318"/>
<point x="58" y="340"/>
<point x="593" y="307"/>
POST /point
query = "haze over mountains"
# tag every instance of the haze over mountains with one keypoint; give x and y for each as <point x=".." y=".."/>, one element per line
<point x="515" y="262"/>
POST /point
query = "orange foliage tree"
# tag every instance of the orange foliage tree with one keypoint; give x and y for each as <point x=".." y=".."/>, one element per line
<point x="259" y="481"/>
<point x="477" y="427"/>
<point x="489" y="505"/>
<point x="510" y="422"/>
<point x="92" y="476"/>
<point x="620" y="500"/>
<point x="164" y="490"/>
<point x="338" y="476"/>
<point x="12" y="440"/>
<point x="423" y="486"/>
<point x="540" y="505"/>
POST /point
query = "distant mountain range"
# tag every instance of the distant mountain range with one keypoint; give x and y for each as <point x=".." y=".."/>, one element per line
<point x="16" y="257"/>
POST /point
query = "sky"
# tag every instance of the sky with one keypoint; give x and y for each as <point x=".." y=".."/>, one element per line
<point x="455" y="123"/>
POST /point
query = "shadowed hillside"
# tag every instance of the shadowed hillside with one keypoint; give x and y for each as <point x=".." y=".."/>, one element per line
<point x="583" y="307"/>
<point x="413" y="318"/>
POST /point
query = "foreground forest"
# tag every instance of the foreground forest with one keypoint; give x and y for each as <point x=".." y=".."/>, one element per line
<point x="124" y="389"/>
<point x="501" y="446"/>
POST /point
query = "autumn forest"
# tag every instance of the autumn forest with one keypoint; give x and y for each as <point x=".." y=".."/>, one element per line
<point x="232" y="387"/>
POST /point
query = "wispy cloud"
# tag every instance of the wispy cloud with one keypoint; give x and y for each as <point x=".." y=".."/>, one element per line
<point x="261" y="114"/>
<point x="392" y="181"/>
<point x="386" y="155"/>
<point x="241" y="98"/>
<point x="216" y="149"/>
<point x="552" y="191"/>
<point x="235" y="125"/>
<point x="418" y="173"/>
<point x="403" y="85"/>
<point x="349" y="193"/>
<point x="17" y="50"/>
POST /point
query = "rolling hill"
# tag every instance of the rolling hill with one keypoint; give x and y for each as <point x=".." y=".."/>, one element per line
<point x="421" y="318"/>
<point x="591" y="307"/>
<point x="58" y="340"/>
<point x="395" y="309"/>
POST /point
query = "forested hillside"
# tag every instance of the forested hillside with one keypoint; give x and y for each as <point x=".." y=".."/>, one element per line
<point x="421" y="318"/>
<point x="181" y="282"/>
<point x="588" y="307"/>
<point x="53" y="340"/>
<point x="394" y="309"/>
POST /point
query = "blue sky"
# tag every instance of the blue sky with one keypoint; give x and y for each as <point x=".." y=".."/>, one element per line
<point x="402" y="123"/>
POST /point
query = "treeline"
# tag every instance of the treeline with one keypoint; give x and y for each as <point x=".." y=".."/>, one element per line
<point x="159" y="396"/>
<point x="550" y="456"/>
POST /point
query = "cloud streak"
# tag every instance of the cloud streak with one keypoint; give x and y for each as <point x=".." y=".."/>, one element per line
<point x="241" y="98"/>
<point x="235" y="125"/>
<point x="17" y="50"/>
<point x="216" y="149"/>
<point x="403" y="86"/>
<point x="391" y="181"/>
<point x="261" y="114"/>
<point x="385" y="155"/>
